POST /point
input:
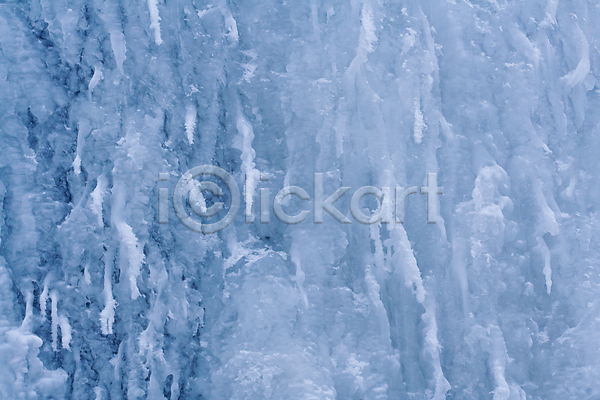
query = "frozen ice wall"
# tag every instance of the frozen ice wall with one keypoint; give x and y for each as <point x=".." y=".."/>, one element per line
<point x="500" y="299"/>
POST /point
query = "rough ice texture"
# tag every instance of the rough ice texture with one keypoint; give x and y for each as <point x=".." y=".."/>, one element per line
<point x="498" y="300"/>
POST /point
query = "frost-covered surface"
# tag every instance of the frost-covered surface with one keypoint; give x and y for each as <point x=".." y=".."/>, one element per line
<point x="498" y="300"/>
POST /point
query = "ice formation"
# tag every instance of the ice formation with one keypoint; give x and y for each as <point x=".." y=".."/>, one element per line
<point x="498" y="299"/>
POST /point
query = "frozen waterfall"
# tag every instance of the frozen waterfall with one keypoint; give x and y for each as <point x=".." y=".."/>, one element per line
<point x="300" y="199"/>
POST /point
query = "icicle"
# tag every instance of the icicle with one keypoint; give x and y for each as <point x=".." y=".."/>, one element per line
<point x="54" y="319"/>
<point x="62" y="321"/>
<point x="77" y="162"/>
<point x="155" y="20"/>
<point x="433" y="348"/>
<point x="107" y="315"/>
<point x="190" y="123"/>
<point x="548" y="224"/>
<point x="340" y="128"/>
<point x="112" y="20"/>
<point x="419" y="124"/>
<point x="375" y="296"/>
<point x="405" y="258"/>
<point x="44" y="297"/>
<point x="367" y="39"/>
<point x="65" y="329"/>
<point x="116" y="361"/>
<point x="87" y="278"/>
<point x="366" y="44"/>
<point x="134" y="391"/>
<point x="380" y="264"/>
<point x="300" y="276"/>
<point x="459" y="266"/>
<point x="135" y="256"/>
<point x="498" y="358"/>
<point x="583" y="67"/>
<point x="542" y="247"/>
<point x="82" y="130"/>
<point x="96" y="78"/>
<point x="314" y="18"/>
<point x="28" y="320"/>
<point x="97" y="196"/>
<point x="412" y="275"/>
<point x="244" y="143"/>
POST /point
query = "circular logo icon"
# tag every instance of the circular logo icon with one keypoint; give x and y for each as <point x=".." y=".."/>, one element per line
<point x="196" y="199"/>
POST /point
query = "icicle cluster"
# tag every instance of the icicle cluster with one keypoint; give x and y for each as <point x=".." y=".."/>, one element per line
<point x="500" y="299"/>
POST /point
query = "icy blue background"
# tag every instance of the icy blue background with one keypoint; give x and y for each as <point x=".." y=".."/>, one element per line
<point x="498" y="300"/>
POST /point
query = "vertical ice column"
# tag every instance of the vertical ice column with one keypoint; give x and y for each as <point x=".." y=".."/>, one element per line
<point x="59" y="321"/>
<point x="107" y="315"/>
<point x="112" y="20"/>
<point x="244" y="143"/>
<point x="547" y="224"/>
<point x="97" y="197"/>
<point x="190" y="122"/>
<point x="155" y="20"/>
